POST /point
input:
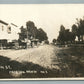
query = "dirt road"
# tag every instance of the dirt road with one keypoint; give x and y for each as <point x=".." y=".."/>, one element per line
<point x="43" y="55"/>
<point x="59" y="62"/>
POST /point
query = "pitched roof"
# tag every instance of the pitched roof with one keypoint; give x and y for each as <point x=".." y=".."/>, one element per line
<point x="3" y="22"/>
<point x="14" y="25"/>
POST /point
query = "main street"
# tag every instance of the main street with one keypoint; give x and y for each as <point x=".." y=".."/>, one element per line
<point x="68" y="61"/>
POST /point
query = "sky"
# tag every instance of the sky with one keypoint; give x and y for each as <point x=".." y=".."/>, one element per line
<point x="49" y="17"/>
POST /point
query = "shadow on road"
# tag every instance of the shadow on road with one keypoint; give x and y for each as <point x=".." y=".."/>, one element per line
<point x="13" y="69"/>
<point x="70" y="62"/>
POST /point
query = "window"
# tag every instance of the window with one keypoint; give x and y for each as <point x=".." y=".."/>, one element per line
<point x="2" y="28"/>
<point x="9" y="30"/>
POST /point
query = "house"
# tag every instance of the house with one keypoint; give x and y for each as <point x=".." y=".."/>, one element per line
<point x="8" y="32"/>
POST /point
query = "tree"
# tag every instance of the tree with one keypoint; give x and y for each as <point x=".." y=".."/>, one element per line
<point x="54" y="41"/>
<point x="61" y="37"/>
<point x="76" y="31"/>
<point x="62" y="28"/>
<point x="41" y="35"/>
<point x="22" y="37"/>
<point x="80" y="29"/>
<point x="23" y="33"/>
<point x="65" y="36"/>
<point x="32" y="30"/>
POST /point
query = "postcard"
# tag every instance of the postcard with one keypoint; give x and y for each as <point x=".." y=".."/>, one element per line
<point x="41" y="41"/>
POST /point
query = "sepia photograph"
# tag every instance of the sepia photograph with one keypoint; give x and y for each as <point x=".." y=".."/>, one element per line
<point x="41" y="41"/>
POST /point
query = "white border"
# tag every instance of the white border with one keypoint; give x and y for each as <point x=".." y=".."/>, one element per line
<point x="51" y="79"/>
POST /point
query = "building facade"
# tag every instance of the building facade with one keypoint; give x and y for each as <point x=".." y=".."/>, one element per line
<point x="8" y="32"/>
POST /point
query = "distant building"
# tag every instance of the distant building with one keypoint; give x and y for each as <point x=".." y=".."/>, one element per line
<point x="8" y="32"/>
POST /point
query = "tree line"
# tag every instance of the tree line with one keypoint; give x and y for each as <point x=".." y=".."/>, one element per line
<point x="32" y="32"/>
<point x="77" y="31"/>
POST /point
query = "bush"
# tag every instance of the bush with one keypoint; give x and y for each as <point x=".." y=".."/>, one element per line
<point x="46" y="42"/>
